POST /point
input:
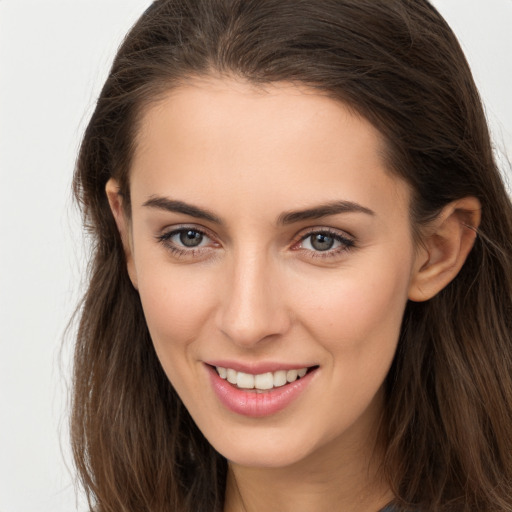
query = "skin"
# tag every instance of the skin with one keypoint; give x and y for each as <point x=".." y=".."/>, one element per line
<point x="257" y="290"/>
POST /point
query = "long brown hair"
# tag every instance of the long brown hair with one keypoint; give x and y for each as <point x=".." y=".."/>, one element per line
<point x="448" y="419"/>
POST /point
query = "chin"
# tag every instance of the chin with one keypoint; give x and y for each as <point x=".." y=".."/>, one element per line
<point x="257" y="458"/>
<point x="264" y="451"/>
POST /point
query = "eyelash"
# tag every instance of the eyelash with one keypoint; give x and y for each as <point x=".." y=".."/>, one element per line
<point x="346" y="243"/>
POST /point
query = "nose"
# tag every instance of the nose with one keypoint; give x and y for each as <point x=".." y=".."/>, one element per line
<point x="253" y="306"/>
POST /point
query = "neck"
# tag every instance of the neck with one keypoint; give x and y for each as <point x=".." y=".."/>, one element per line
<point x="331" y="479"/>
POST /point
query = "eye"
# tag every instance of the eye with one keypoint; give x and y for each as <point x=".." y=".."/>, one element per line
<point x="185" y="240"/>
<point x="189" y="238"/>
<point x="319" y="242"/>
<point x="325" y="241"/>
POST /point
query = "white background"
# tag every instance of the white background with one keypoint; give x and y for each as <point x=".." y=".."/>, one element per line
<point x="54" y="56"/>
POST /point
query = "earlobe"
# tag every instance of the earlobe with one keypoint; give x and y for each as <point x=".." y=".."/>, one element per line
<point x="116" y="205"/>
<point x="445" y="247"/>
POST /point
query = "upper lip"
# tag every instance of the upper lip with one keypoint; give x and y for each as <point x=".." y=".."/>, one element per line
<point x="258" y="368"/>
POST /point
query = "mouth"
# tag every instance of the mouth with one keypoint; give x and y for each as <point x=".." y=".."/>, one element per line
<point x="262" y="382"/>
<point x="261" y="394"/>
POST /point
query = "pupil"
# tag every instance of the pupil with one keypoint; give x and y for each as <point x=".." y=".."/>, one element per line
<point x="322" y="242"/>
<point x="191" y="238"/>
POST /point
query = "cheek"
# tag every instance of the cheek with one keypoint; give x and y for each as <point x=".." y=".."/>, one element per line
<point x="176" y="304"/>
<point x="359" y="314"/>
<point x="357" y="323"/>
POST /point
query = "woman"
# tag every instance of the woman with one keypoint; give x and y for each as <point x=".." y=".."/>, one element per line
<point x="301" y="284"/>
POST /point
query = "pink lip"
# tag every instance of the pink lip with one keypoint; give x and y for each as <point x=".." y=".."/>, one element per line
<point x="257" y="405"/>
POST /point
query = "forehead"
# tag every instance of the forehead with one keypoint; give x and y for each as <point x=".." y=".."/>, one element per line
<point x="282" y="143"/>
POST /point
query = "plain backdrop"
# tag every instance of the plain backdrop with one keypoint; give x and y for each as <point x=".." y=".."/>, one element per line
<point x="54" y="57"/>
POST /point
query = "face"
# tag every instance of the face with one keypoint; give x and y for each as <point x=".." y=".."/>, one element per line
<point x="273" y="254"/>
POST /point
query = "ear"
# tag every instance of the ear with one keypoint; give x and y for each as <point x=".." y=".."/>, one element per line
<point x="123" y="225"/>
<point x="444" y="248"/>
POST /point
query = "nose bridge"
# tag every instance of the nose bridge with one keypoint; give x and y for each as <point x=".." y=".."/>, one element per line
<point x="253" y="307"/>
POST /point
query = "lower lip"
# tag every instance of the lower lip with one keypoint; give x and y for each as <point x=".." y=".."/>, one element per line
<point x="257" y="405"/>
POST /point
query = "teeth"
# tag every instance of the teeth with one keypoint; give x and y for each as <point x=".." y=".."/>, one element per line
<point x="280" y="378"/>
<point x="231" y="375"/>
<point x="291" y="375"/>
<point x="262" y="381"/>
<point x="245" y="380"/>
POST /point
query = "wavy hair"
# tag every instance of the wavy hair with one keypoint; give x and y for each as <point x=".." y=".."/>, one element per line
<point x="448" y="416"/>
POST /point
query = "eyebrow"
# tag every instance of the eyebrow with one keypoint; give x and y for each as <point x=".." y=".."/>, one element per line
<point x="172" y="205"/>
<point x="286" y="218"/>
<point x="324" y="210"/>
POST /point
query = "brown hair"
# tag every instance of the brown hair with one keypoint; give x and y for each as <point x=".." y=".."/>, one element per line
<point x="448" y="423"/>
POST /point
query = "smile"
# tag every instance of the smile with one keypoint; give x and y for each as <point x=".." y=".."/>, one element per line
<point x="259" y="394"/>
<point x="262" y="381"/>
